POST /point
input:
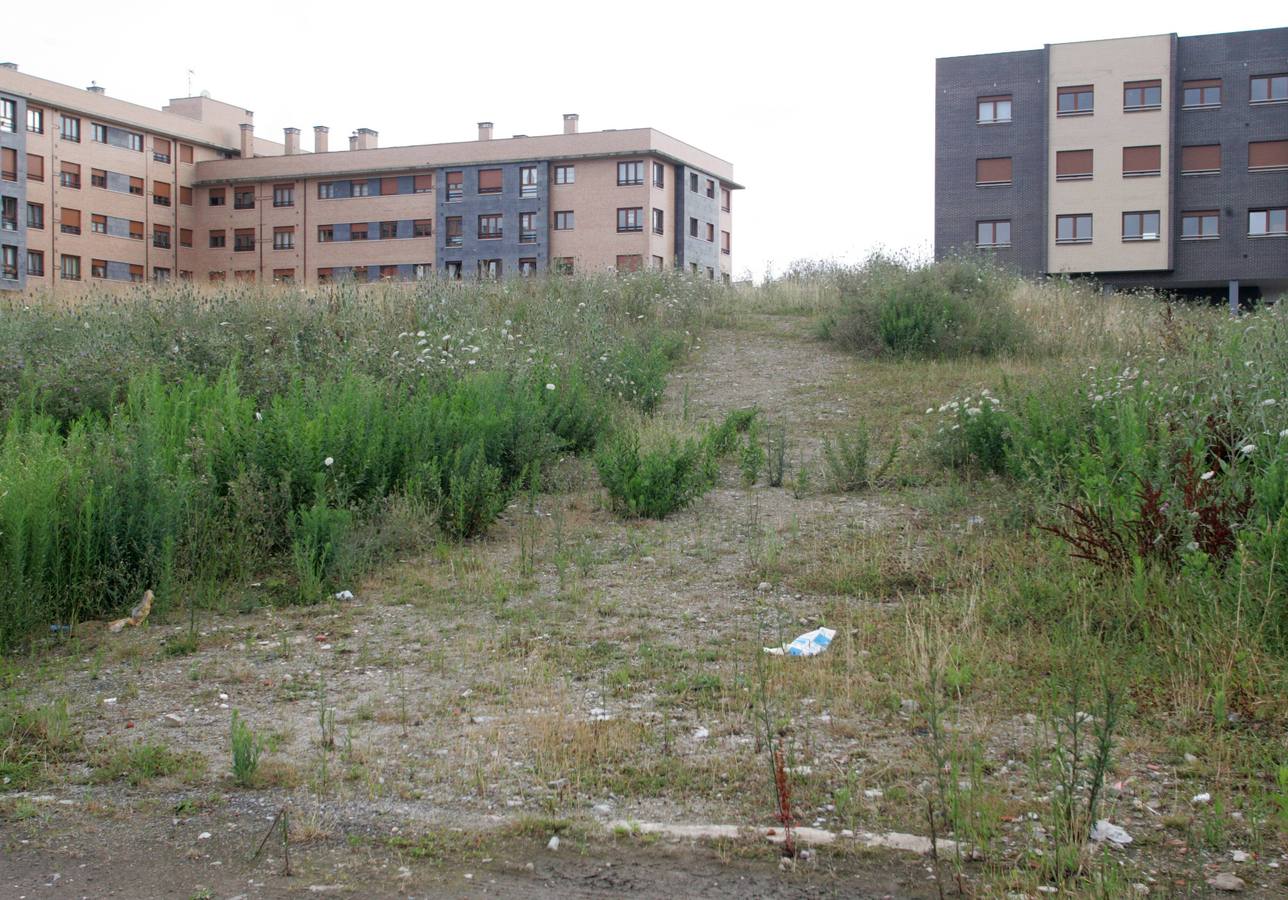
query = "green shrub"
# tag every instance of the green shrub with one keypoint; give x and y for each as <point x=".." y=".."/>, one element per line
<point x="318" y="534"/>
<point x="656" y="481"/>
<point x="751" y="458"/>
<point x="246" y="749"/>
<point x="846" y="460"/>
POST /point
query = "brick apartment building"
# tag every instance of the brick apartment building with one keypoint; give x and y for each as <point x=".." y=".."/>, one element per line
<point x="1158" y="160"/>
<point x="95" y="189"/>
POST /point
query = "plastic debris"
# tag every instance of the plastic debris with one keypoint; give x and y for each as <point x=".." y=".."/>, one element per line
<point x="808" y="644"/>
<point x="1107" y="831"/>
<point x="1204" y="797"/>
<point x="137" y="616"/>
<point x="344" y="595"/>
<point x="554" y="843"/>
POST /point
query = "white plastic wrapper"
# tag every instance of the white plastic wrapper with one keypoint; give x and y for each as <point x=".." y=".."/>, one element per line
<point x="808" y="644"/>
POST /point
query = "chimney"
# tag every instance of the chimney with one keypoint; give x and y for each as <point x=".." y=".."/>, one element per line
<point x="9" y="65"/>
<point x="247" y="140"/>
<point x="353" y="142"/>
<point x="485" y="131"/>
<point x="95" y="89"/>
<point x="319" y="138"/>
<point x="570" y="123"/>
<point x="368" y="139"/>
<point x="292" y="141"/>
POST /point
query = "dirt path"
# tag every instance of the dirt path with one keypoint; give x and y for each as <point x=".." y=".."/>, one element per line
<point x="570" y="669"/>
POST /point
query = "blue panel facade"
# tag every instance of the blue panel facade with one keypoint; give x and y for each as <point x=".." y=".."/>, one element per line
<point x="118" y="227"/>
<point x="16" y="237"/>
<point x="690" y="249"/>
<point x="118" y="271"/>
<point x="118" y="182"/>
<point x="509" y="205"/>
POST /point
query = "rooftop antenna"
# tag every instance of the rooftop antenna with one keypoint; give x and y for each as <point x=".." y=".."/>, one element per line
<point x="190" y="74"/>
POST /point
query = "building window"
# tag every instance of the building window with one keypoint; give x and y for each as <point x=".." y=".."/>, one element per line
<point x="69" y="221"/>
<point x="69" y="128"/>
<point x="216" y="197"/>
<point x="693" y="227"/>
<point x="1073" y="229"/>
<point x="421" y="271"/>
<point x="1269" y="88"/>
<point x="527" y="181"/>
<point x="36" y="262"/>
<point x="69" y="267"/>
<point x="218" y="239"/>
<point x="711" y="189"/>
<point x="711" y="233"/>
<point x="1267" y="156"/>
<point x="424" y="183"/>
<point x="455" y="231"/>
<point x="246" y="275"/>
<point x="8" y="113"/>
<point x="160" y="273"/>
<point x="283" y="195"/>
<point x="243" y="198"/>
<point x="630" y="219"/>
<point x="565" y="174"/>
<point x="453" y="270"/>
<point x="1201" y="160"/>
<point x="185" y="275"/>
<point x="993" y="171"/>
<point x="327" y="190"/>
<point x="1075" y="101"/>
<point x="97" y="268"/>
<point x="243" y="240"/>
<point x="389" y="186"/>
<point x="161" y="237"/>
<point x="161" y="193"/>
<point x="216" y="276"/>
<point x="563" y="265"/>
<point x="490" y="268"/>
<point x="8" y="164"/>
<point x="326" y="234"/>
<point x="659" y="175"/>
<point x="1073" y="165"/>
<point x="1140" y="226"/>
<point x="9" y="262"/>
<point x="659" y="263"/>
<point x="659" y="221"/>
<point x="629" y="262"/>
<point x="422" y="228"/>
<point x="455" y="186"/>
<point x="490" y="227"/>
<point x="360" y="188"/>
<point x="98" y="223"/>
<point x="136" y="144"/>
<point x="693" y="182"/>
<point x="358" y="231"/>
<point x="527" y="267"/>
<point x="8" y="213"/>
<point x="70" y="176"/>
<point x="993" y="234"/>
<point x="490" y="181"/>
<point x="1201" y="94"/>
<point x="160" y="150"/>
<point x="1142" y="95"/>
<point x="388" y="231"/>
<point x="284" y="238"/>
<point x="564" y="220"/>
<point x="185" y="153"/>
<point x="98" y="134"/>
<point x="185" y="196"/>
<point x="527" y="228"/>
<point x="1200" y="226"/>
<point x="35" y="120"/>
<point x="629" y="173"/>
<point x="35" y="167"/>
<point x="326" y="275"/>
<point x="98" y="178"/>
<point x="185" y="237"/>
<point x="724" y="243"/>
<point x="1267" y="222"/>
<point x="711" y="274"/>
<point x="136" y="186"/>
<point x="36" y="216"/>
<point x="726" y="199"/>
<point x="1142" y="161"/>
<point x="283" y="276"/>
<point x="388" y="273"/>
<point x="993" y="110"/>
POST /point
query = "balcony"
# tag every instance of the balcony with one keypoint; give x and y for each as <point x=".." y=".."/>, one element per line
<point x="527" y="237"/>
<point x="243" y="245"/>
<point x="454" y="193"/>
<point x="243" y="203"/>
<point x="455" y="240"/>
<point x="161" y="241"/>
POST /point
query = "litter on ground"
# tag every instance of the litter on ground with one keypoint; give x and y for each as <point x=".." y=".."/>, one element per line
<point x="807" y="644"/>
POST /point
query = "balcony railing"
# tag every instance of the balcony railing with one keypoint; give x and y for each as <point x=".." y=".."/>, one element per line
<point x="160" y="201"/>
<point x="242" y="246"/>
<point x="68" y="180"/>
<point x="455" y="240"/>
<point x="161" y="157"/>
<point x="8" y="224"/>
<point x="242" y="203"/>
<point x="527" y="237"/>
<point x="490" y="235"/>
<point x="454" y="193"/>
<point x="161" y="240"/>
<point x="69" y="229"/>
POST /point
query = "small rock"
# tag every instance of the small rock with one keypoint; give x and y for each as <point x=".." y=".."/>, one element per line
<point x="1140" y="888"/>
<point x="647" y="559"/>
<point x="204" y="836"/>
<point x="975" y="521"/>
<point x="554" y="843"/>
<point x="558" y="784"/>
<point x="1202" y="798"/>
<point x="529" y="867"/>
<point x="172" y="720"/>
<point x="1030" y="719"/>
<point x="701" y="734"/>
<point x="602" y="809"/>
<point x="909" y="706"/>
<point x="1191" y="758"/>
<point x="1227" y="881"/>
<point x="873" y="794"/>
<point x="1239" y="855"/>
<point x="1105" y="830"/>
<point x="763" y="587"/>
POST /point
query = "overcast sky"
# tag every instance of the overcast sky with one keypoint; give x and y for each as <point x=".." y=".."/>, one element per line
<point x="826" y="110"/>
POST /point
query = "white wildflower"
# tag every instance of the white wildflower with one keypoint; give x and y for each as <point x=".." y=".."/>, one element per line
<point x="1284" y="433"/>
<point x="328" y="462"/>
<point x="1248" y="449"/>
<point x="973" y="411"/>
<point x="1192" y="546"/>
<point x="550" y="387"/>
<point x="929" y="410"/>
<point x="1207" y="476"/>
<point x="1269" y="402"/>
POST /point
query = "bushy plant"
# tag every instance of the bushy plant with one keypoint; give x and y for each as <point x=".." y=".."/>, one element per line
<point x="846" y="459"/>
<point x="653" y="481"/>
<point x="246" y="749"/>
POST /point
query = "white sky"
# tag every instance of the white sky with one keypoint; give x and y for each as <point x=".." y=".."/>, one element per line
<point x="837" y="154"/>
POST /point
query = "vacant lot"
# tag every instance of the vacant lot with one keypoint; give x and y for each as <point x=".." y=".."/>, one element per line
<point x="564" y="670"/>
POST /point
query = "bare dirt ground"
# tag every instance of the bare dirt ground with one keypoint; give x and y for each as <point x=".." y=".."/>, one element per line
<point x="569" y="671"/>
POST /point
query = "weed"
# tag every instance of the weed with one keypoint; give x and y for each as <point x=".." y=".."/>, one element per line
<point x="846" y="459"/>
<point x="246" y="750"/>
